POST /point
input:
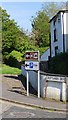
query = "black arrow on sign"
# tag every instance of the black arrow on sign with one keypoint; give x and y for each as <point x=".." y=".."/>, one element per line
<point x="26" y="65"/>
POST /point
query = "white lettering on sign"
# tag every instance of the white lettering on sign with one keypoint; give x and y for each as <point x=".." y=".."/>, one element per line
<point x="55" y="78"/>
<point x="34" y="55"/>
<point x="27" y="55"/>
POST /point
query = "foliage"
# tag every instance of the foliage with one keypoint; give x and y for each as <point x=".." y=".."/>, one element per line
<point x="14" y="59"/>
<point x="0" y="29"/>
<point x="16" y="55"/>
<point x="41" y="29"/>
<point x="51" y="8"/>
<point x="59" y="64"/>
<point x="13" y="38"/>
<point x="42" y="49"/>
<point x="41" y="25"/>
<point x="9" y="70"/>
<point x="15" y="42"/>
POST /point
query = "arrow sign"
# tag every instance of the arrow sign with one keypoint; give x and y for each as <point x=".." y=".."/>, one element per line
<point x="27" y="55"/>
<point x="32" y="55"/>
<point x="31" y="65"/>
<point x="26" y="65"/>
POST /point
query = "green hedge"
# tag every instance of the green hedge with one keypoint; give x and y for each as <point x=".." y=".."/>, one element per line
<point x="59" y="64"/>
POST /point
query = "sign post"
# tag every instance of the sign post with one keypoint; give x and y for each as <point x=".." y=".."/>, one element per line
<point x="38" y="83"/>
<point x="27" y="84"/>
<point x="32" y="63"/>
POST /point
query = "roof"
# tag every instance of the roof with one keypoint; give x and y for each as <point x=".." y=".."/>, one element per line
<point x="65" y="9"/>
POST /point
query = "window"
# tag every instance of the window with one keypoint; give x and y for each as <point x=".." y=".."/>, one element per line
<point x="55" y="35"/>
<point x="58" y="18"/>
<point x="54" y="21"/>
<point x="56" y="50"/>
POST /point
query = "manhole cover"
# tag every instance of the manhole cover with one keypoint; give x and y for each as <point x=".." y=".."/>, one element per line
<point x="22" y="114"/>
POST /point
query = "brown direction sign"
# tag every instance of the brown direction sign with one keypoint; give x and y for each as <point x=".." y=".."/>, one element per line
<point x="30" y="55"/>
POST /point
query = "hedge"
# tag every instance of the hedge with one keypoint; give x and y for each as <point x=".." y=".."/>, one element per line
<point x="59" y="64"/>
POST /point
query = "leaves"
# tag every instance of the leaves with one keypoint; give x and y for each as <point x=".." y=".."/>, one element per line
<point x="51" y="8"/>
<point x="41" y="29"/>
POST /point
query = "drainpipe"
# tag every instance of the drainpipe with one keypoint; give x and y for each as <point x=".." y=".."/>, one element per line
<point x="63" y="33"/>
<point x="50" y="43"/>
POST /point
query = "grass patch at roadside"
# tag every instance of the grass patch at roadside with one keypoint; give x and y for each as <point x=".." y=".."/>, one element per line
<point x="5" y="69"/>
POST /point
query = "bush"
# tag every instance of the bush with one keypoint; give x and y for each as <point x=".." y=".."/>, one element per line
<point x="14" y="59"/>
<point x="59" y="64"/>
<point x="17" y="55"/>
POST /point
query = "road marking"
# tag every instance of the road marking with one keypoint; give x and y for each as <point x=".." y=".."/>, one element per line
<point x="24" y="114"/>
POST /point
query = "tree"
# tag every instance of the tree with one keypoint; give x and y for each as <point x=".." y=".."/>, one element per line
<point x="41" y="25"/>
<point x="0" y="33"/>
<point x="9" y="33"/>
<point x="51" y="8"/>
<point x="40" y="29"/>
<point x="13" y="37"/>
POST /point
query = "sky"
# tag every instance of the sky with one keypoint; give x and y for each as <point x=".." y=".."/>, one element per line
<point x="22" y="11"/>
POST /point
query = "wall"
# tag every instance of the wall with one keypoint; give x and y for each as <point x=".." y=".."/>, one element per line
<point x="66" y="31"/>
<point x="56" y="90"/>
<point x="61" y="28"/>
<point x="45" y="55"/>
<point x="51" y="86"/>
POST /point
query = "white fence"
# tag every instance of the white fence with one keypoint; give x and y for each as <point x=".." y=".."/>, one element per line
<point x="51" y="86"/>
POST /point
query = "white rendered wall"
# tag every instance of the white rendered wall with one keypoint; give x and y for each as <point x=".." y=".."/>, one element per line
<point x="49" y="89"/>
<point x="66" y="31"/>
<point x="54" y="90"/>
<point x="61" y="28"/>
<point x="45" y="55"/>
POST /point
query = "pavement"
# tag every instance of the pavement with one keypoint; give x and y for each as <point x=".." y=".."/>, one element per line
<point x="13" y="90"/>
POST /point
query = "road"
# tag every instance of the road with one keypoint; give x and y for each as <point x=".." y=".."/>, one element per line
<point x="12" y="110"/>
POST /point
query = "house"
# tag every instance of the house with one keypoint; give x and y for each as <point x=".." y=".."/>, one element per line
<point x="45" y="56"/>
<point x="59" y="32"/>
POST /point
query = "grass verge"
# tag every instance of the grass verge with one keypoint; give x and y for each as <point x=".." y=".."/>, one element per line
<point x="5" y="69"/>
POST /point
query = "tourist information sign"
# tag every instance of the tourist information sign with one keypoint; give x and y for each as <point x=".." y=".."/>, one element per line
<point x="32" y="59"/>
<point x="32" y="55"/>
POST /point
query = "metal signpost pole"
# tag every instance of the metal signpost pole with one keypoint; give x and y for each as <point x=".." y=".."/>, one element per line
<point x="38" y="83"/>
<point x="38" y="76"/>
<point x="27" y="83"/>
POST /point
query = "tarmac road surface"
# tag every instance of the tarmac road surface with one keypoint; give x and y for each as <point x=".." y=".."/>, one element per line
<point x="12" y="110"/>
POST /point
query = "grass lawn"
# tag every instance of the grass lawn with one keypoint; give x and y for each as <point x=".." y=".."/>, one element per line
<point x="5" y="69"/>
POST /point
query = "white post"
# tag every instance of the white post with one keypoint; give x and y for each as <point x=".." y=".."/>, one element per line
<point x="27" y="84"/>
<point x="38" y="83"/>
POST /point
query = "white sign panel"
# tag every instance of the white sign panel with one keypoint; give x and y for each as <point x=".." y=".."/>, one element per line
<point x="31" y="65"/>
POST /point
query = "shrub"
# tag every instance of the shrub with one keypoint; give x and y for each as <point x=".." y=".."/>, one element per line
<point x="17" y="55"/>
<point x="14" y="58"/>
<point x="59" y="64"/>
